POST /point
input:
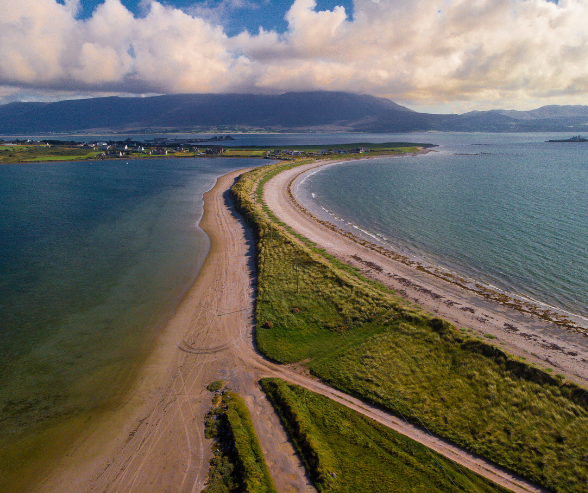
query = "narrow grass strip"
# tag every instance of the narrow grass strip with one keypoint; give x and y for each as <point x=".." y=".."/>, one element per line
<point x="238" y="464"/>
<point x="345" y="451"/>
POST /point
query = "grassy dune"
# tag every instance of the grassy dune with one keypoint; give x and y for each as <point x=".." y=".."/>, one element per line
<point x="346" y="451"/>
<point x="238" y="463"/>
<point x="362" y="339"/>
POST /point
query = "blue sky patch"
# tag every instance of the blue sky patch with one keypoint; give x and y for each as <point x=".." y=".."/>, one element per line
<point x="234" y="15"/>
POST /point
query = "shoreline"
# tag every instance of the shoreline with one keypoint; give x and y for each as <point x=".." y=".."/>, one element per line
<point x="115" y="427"/>
<point x="154" y="440"/>
<point x="522" y="334"/>
<point x="562" y="317"/>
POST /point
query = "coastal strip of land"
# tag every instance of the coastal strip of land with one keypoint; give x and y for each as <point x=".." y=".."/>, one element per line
<point x="541" y="342"/>
<point x="154" y="440"/>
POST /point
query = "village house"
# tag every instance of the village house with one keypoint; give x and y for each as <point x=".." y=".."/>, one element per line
<point x="214" y="150"/>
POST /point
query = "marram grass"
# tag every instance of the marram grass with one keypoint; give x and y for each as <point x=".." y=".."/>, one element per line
<point x="238" y="464"/>
<point x="345" y="451"/>
<point x="361" y="339"/>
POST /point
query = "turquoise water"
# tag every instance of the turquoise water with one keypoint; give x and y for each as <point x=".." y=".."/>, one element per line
<point x="94" y="257"/>
<point x="510" y="211"/>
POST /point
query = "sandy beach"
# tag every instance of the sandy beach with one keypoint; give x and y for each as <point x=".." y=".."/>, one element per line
<point x="154" y="440"/>
<point x="543" y="343"/>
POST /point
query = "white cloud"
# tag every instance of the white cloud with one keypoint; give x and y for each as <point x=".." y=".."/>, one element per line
<point x="33" y="36"/>
<point x="421" y="51"/>
<point x="218" y="12"/>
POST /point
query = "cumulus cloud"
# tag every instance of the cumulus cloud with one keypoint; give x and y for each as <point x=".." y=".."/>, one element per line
<point x="422" y="51"/>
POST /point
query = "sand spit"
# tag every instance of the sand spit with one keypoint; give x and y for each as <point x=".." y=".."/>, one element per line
<point x="154" y="441"/>
<point x="540" y="341"/>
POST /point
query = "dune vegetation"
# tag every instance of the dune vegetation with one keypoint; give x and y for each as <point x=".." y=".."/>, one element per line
<point x="360" y="338"/>
<point x="346" y="451"/>
<point x="238" y="463"/>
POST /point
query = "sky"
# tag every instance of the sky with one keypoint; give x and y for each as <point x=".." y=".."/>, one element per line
<point x="448" y="56"/>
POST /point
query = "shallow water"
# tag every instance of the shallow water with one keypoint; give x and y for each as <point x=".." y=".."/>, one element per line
<point x="94" y="257"/>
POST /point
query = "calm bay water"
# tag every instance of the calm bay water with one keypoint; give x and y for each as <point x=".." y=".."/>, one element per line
<point x="509" y="210"/>
<point x="94" y="257"/>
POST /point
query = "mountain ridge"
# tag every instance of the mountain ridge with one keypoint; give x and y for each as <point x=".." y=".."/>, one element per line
<point x="292" y="111"/>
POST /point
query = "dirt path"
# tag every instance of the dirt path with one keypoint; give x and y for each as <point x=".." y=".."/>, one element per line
<point x="154" y="441"/>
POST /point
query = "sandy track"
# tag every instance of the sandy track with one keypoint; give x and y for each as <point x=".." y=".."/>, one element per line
<point x="154" y="441"/>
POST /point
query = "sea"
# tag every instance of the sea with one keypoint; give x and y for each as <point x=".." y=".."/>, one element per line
<point x="507" y="211"/>
<point x="95" y="256"/>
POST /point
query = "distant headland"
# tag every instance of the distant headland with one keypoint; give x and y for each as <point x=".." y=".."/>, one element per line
<point x="575" y="138"/>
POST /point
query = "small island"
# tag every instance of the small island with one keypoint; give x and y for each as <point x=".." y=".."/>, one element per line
<point x="575" y="138"/>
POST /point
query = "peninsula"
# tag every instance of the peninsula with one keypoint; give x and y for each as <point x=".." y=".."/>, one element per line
<point x="332" y="313"/>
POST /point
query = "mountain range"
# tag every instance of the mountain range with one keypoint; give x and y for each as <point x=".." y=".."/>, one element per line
<point x="297" y="111"/>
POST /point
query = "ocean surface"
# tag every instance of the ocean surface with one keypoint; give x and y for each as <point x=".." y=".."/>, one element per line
<point x="94" y="257"/>
<point x="509" y="211"/>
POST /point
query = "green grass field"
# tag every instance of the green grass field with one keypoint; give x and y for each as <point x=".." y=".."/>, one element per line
<point x="359" y="338"/>
<point x="393" y="147"/>
<point x="243" y="152"/>
<point x="32" y="154"/>
<point x="238" y="464"/>
<point x="348" y="452"/>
